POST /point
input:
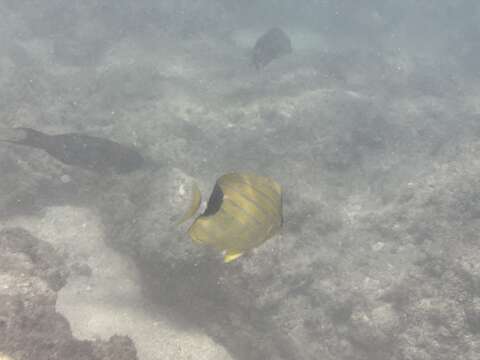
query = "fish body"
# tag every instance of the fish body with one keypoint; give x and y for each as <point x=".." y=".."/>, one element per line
<point x="270" y="46"/>
<point x="244" y="210"/>
<point x="84" y="151"/>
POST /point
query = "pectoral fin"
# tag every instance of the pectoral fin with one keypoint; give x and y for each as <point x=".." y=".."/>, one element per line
<point x="231" y="255"/>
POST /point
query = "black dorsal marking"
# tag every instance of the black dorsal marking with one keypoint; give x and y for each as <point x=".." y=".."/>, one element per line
<point x="215" y="201"/>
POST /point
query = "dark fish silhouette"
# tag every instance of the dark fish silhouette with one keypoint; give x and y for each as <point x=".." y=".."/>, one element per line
<point x="270" y="46"/>
<point x="88" y="152"/>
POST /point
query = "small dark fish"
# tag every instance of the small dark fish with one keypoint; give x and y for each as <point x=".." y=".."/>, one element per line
<point x="88" y="152"/>
<point x="270" y="46"/>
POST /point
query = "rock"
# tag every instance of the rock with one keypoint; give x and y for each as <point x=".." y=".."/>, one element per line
<point x="47" y="265"/>
<point x="30" y="328"/>
<point x="116" y="348"/>
<point x="472" y="313"/>
<point x="81" y="269"/>
<point x="375" y="329"/>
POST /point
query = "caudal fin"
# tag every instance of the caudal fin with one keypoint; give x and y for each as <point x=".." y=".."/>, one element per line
<point x="16" y="135"/>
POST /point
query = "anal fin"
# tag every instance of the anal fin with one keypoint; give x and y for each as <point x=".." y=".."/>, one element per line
<point x="231" y="255"/>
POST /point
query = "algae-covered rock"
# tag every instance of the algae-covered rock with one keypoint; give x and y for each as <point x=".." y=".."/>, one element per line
<point x="30" y="275"/>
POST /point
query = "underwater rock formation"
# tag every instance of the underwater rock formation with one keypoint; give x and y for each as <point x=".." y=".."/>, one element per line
<point x="31" y="273"/>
